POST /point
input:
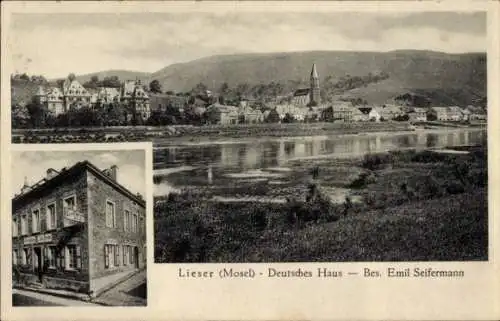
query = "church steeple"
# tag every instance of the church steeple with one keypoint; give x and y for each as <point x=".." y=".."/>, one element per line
<point x="314" y="90"/>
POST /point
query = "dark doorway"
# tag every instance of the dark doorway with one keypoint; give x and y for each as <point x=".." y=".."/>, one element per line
<point x="136" y="257"/>
<point x="38" y="262"/>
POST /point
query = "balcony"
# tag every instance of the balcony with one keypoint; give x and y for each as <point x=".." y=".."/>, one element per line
<point x="72" y="217"/>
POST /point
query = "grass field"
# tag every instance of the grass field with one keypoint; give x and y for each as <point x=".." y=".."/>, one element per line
<point x="417" y="206"/>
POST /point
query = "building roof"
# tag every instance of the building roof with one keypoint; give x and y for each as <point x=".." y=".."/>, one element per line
<point x="37" y="189"/>
<point x="447" y="110"/>
<point x="314" y="72"/>
<point x="419" y="110"/>
<point x="223" y="108"/>
<point x="301" y="92"/>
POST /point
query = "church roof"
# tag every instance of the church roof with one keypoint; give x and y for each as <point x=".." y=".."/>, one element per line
<point x="301" y="92"/>
<point x="314" y="72"/>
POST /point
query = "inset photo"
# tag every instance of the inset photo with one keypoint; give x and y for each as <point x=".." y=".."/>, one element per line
<point x="79" y="228"/>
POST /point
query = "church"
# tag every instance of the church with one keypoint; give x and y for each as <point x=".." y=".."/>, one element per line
<point x="308" y="96"/>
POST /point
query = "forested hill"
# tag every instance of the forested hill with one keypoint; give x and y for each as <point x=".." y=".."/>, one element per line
<point x="439" y="77"/>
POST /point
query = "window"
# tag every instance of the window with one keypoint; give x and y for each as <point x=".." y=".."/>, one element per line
<point x="111" y="255"/>
<point x="35" y="221"/>
<point x="141" y="225"/>
<point x="14" y="227"/>
<point x="110" y="214"/>
<point x="130" y="255"/>
<point x="14" y="257"/>
<point x="117" y="254"/>
<point x="51" y="256"/>
<point x="73" y="260"/>
<point x="126" y="215"/>
<point x="26" y="256"/>
<point x="51" y="216"/>
<point x="70" y="203"/>
<point x="125" y="254"/>
<point x="24" y="225"/>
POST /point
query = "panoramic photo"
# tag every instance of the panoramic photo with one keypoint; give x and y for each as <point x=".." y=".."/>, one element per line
<point x="78" y="228"/>
<point x="330" y="137"/>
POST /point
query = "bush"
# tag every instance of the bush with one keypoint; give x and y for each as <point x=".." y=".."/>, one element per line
<point x="375" y="161"/>
<point x="362" y="180"/>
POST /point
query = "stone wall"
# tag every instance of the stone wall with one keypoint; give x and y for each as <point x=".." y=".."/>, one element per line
<point x="99" y="192"/>
<point x="73" y="186"/>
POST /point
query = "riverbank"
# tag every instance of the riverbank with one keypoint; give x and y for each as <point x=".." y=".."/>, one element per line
<point x="184" y="134"/>
<point x="194" y="134"/>
<point x="414" y="206"/>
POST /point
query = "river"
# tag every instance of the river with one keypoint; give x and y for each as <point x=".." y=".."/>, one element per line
<point x="267" y="159"/>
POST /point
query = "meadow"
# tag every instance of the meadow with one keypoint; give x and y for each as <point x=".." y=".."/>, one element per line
<point x="414" y="206"/>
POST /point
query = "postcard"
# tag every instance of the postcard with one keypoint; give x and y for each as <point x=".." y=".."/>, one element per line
<point x="250" y="160"/>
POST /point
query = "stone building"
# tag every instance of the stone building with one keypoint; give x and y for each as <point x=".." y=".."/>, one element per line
<point x="80" y="226"/>
<point x="308" y="96"/>
<point x="60" y="100"/>
<point x="222" y="114"/>
<point x="136" y="98"/>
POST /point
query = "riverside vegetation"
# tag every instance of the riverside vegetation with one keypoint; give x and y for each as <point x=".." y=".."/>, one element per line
<point x="415" y="206"/>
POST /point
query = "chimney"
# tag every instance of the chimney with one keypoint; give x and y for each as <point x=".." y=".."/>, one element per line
<point x="51" y="173"/>
<point x="25" y="187"/>
<point x="111" y="172"/>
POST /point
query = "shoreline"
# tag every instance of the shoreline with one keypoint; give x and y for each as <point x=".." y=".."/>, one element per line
<point x="193" y="136"/>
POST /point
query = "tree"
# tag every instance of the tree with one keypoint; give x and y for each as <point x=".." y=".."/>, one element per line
<point x="37" y="113"/>
<point x="155" y="86"/>
<point x="288" y="118"/>
<point x="273" y="117"/>
<point x="111" y="82"/>
<point x="199" y="90"/>
<point x="71" y="77"/>
<point x="94" y="79"/>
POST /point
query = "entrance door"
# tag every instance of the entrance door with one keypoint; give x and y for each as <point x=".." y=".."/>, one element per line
<point x="136" y="257"/>
<point x="38" y="262"/>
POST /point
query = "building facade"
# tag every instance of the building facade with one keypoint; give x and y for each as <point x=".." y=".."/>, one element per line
<point x="77" y="229"/>
<point x="308" y="96"/>
<point x="136" y="98"/>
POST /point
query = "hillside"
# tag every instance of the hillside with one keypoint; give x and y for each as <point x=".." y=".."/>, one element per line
<point x="121" y="74"/>
<point x="433" y="74"/>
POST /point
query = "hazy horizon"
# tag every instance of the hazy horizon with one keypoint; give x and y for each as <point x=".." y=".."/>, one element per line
<point x="147" y="42"/>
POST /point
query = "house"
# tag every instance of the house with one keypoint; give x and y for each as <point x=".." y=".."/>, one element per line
<point x="74" y="94"/>
<point x="298" y="113"/>
<point x="159" y="102"/>
<point x="447" y="113"/>
<point x="249" y="115"/>
<point x="477" y="113"/>
<point x="59" y="100"/>
<point x="338" y="112"/>
<point x="106" y="95"/>
<point x="80" y="223"/>
<point x="389" y="112"/>
<point x="358" y="115"/>
<point x="222" y="114"/>
<point x="374" y="115"/>
<point x="53" y="98"/>
<point x="134" y="95"/>
<point x="417" y="114"/>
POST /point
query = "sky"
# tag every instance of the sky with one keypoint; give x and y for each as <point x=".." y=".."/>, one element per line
<point x="57" y="44"/>
<point x="34" y="164"/>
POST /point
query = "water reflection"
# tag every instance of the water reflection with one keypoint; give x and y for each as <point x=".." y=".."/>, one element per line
<point x="275" y="153"/>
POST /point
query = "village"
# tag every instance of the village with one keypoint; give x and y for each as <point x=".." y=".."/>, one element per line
<point x="70" y="103"/>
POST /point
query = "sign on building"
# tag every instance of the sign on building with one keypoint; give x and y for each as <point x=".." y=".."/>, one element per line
<point x="43" y="238"/>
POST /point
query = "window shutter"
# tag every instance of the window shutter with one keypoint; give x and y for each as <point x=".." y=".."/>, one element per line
<point x="106" y="257"/>
<point x="78" y="257"/>
<point x="124" y="255"/>
<point x="117" y="255"/>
